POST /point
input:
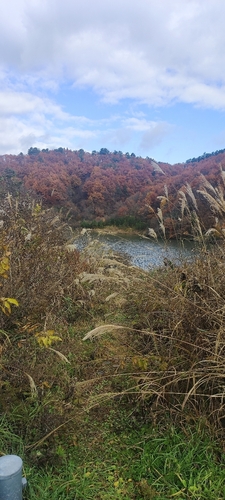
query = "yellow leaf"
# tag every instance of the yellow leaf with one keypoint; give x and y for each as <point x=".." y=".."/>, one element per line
<point x="3" y="309"/>
<point x="36" y="210"/>
<point x="3" y="270"/>
<point x="55" y="338"/>
<point x="43" y="341"/>
<point x="45" y="384"/>
<point x="5" y="263"/>
<point x="50" y="332"/>
<point x="178" y="287"/>
<point x="5" y="306"/>
<point x="141" y="363"/>
<point x="13" y="301"/>
<point x="46" y="338"/>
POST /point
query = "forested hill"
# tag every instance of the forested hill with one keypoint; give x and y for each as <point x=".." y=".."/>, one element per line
<point x="102" y="185"/>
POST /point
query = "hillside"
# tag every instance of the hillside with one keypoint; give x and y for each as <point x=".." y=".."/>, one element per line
<point x="105" y="187"/>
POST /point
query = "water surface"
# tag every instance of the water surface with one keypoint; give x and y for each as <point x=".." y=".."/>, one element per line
<point x="143" y="253"/>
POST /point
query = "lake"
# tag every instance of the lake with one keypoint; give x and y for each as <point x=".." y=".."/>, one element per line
<point x="143" y="253"/>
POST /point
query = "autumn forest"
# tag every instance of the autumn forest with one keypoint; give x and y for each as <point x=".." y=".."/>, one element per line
<point x="102" y="188"/>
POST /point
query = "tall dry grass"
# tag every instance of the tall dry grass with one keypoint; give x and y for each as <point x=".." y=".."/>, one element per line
<point x="175" y="341"/>
<point x="175" y="330"/>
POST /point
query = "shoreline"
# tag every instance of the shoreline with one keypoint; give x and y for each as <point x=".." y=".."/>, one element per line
<point x="114" y="231"/>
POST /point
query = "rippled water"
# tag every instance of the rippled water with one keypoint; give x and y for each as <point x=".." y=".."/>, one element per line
<point x="143" y="253"/>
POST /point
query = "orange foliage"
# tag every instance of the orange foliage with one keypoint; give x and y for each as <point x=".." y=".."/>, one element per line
<point x="104" y="184"/>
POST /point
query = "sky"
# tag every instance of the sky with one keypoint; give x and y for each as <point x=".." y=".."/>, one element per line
<point x="138" y="76"/>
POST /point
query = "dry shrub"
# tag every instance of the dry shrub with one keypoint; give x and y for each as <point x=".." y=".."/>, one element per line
<point x="42" y="271"/>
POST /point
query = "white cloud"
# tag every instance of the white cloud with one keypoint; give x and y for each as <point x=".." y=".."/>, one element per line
<point x="18" y="134"/>
<point x="28" y="120"/>
<point x="154" y="135"/>
<point x="14" y="103"/>
<point x="121" y="48"/>
<point x="138" y="124"/>
<point x="145" y="134"/>
<point x="146" y="52"/>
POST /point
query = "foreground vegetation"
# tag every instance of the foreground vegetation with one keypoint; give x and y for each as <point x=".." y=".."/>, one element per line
<point x="112" y="377"/>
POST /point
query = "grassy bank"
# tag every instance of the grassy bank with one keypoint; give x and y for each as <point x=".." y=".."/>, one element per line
<point x="114" y="457"/>
<point x="112" y="377"/>
<point x="125" y="222"/>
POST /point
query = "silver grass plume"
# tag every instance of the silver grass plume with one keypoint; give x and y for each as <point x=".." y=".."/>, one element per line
<point x="183" y="203"/>
<point x="161" y="224"/>
<point x="191" y="195"/>
<point x="152" y="233"/>
<point x="213" y="231"/>
<point x="166" y="192"/>
<point x="9" y="199"/>
<point x="220" y="195"/>
<point x="216" y="198"/>
<point x="101" y="330"/>
<point x="206" y="184"/>
<point x="160" y="214"/>
<point x="215" y="205"/>
<point x="222" y="173"/>
<point x="16" y="207"/>
<point x="150" y="208"/>
<point x="197" y="224"/>
<point x="157" y="168"/>
<point x="163" y="201"/>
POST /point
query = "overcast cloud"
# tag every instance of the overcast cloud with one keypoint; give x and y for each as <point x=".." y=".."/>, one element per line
<point x="145" y="53"/>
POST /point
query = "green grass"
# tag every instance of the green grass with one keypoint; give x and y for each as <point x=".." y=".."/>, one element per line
<point x="127" y="221"/>
<point x="116" y="458"/>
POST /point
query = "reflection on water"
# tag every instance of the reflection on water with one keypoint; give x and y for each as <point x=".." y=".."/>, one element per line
<point x="143" y="253"/>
